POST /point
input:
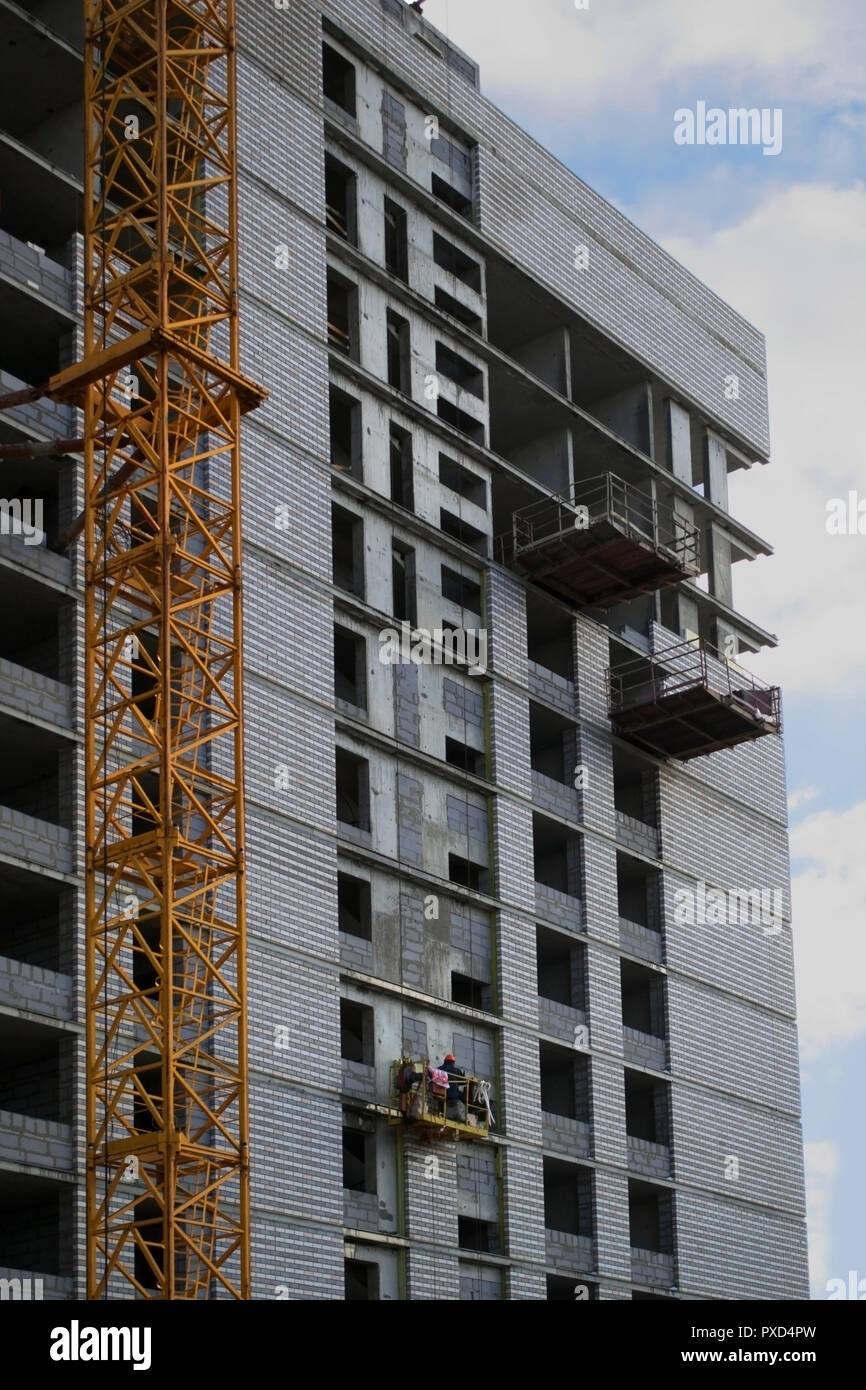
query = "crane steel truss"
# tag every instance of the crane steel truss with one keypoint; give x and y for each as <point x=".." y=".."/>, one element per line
<point x="167" y="1169"/>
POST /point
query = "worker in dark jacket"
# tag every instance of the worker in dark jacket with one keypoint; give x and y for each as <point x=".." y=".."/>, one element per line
<point x="455" y="1107"/>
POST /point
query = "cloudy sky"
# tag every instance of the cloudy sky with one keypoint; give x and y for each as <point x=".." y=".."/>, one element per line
<point x="783" y="239"/>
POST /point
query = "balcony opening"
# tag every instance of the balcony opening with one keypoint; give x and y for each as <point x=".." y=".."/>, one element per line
<point x="635" y="787"/>
<point x="468" y="874"/>
<point x="461" y="590"/>
<point x="347" y="551"/>
<point x="557" y="855"/>
<point x="465" y="757"/>
<point x="647" y="1108"/>
<point x="561" y="968"/>
<point x="402" y="468"/>
<point x="459" y="202"/>
<point x="456" y="262"/>
<point x="343" y="315"/>
<point x="642" y="999"/>
<point x="356" y="1033"/>
<point x="35" y="1070"/>
<point x="396" y="240"/>
<point x="353" y="790"/>
<point x="564" y="1082"/>
<point x="473" y="1234"/>
<point x="468" y="317"/>
<point x="638" y="894"/>
<point x="403" y="583"/>
<point x="567" y="1198"/>
<point x="650" y="1218"/>
<point x="552" y="744"/>
<point x="359" y="1153"/>
<point x="353" y="907"/>
<point x="341" y="200"/>
<point x="33" y="618"/>
<point x="465" y="375"/>
<point x="463" y="481"/>
<point x="549" y="636"/>
<point x="471" y="993"/>
<point x="452" y="525"/>
<point x="36" y="921"/>
<point x="361" y="1282"/>
<point x="345" y="431"/>
<point x="399" y="353"/>
<point x="460" y="420"/>
<point x="350" y="667"/>
<point x="338" y="79"/>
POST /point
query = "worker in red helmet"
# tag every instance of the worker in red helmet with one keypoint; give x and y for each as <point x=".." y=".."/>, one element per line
<point x="455" y="1104"/>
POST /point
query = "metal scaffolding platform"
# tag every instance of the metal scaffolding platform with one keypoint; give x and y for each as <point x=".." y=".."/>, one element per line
<point x="689" y="700"/>
<point x="609" y="542"/>
<point x="418" y="1098"/>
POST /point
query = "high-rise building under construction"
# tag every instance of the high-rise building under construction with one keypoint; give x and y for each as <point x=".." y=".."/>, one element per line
<point x="511" y="797"/>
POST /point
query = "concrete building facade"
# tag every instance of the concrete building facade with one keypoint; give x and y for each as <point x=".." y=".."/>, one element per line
<point x="443" y="855"/>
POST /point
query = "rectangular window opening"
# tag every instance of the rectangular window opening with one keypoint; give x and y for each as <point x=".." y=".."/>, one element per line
<point x="341" y="200"/>
<point x="353" y="790"/>
<point x="469" y="875"/>
<point x="353" y="907"/>
<point x="465" y="592"/>
<point x="471" y="993"/>
<point x="356" y="1033"/>
<point x="403" y="583"/>
<point x="361" y="1282"/>
<point x="473" y="1234"/>
<point x="399" y="352"/>
<point x="463" y="373"/>
<point x="402" y="468"/>
<point x="463" y="756"/>
<point x="450" y="258"/>
<point x="350" y="667"/>
<point x="345" y="432"/>
<point x="465" y="423"/>
<point x="452" y="525"/>
<point x="452" y="306"/>
<point x="347" y="551"/>
<point x="338" y="79"/>
<point x="343" y="315"/>
<point x="460" y="203"/>
<point x="462" y="481"/>
<point x="396" y="240"/>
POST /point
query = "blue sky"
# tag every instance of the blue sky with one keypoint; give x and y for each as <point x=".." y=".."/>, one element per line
<point x="783" y="239"/>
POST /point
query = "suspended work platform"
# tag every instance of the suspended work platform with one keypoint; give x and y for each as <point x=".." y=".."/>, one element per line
<point x="419" y="1098"/>
<point x="608" y="543"/>
<point x="689" y="700"/>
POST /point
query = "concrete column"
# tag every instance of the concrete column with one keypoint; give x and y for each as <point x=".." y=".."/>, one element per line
<point x="679" y="443"/>
<point x="715" y="470"/>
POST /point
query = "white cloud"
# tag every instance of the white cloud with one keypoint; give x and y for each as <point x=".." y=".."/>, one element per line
<point x="822" y="1163"/>
<point x="801" y="796"/>
<point x="829" y="907"/>
<point x="794" y="267"/>
<point x="624" y="51"/>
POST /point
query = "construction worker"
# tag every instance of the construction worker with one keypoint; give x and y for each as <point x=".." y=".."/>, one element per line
<point x="455" y="1104"/>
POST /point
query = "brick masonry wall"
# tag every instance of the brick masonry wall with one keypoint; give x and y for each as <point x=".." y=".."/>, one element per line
<point x="732" y="1040"/>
